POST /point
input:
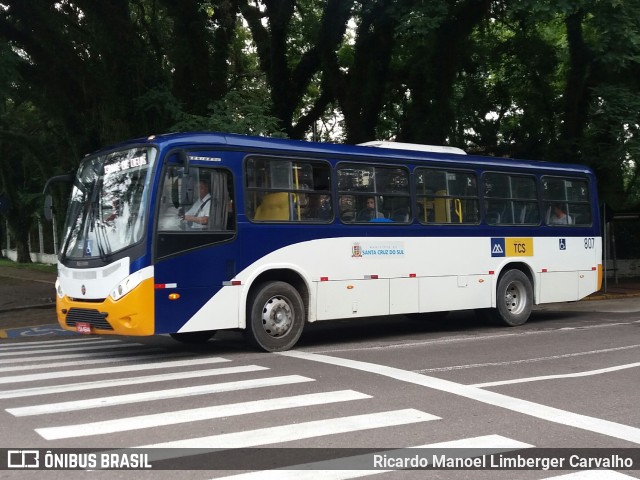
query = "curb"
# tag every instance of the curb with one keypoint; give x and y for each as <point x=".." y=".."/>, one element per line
<point x="27" y="307"/>
<point x="610" y="296"/>
<point x="28" y="279"/>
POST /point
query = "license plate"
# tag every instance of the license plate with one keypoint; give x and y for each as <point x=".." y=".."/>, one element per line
<point x="82" y="327"/>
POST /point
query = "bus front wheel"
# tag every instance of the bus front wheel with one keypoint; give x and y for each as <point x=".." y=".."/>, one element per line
<point x="514" y="299"/>
<point x="275" y="316"/>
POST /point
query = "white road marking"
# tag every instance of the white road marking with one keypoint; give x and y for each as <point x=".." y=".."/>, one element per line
<point x="54" y="343"/>
<point x="289" y="433"/>
<point x="79" y="349"/>
<point x="157" y="395"/>
<point x="462" y="338"/>
<point x="70" y="356"/>
<point x="331" y="468"/>
<point x="562" y="375"/>
<point x="198" y="414"/>
<point x="75" y="387"/>
<point x="525" y="360"/>
<point x="592" y="475"/>
<point x="556" y="415"/>
<point x="109" y="370"/>
<point x="111" y="359"/>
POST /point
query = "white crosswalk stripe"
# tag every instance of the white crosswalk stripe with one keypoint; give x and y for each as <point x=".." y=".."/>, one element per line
<point x="104" y="356"/>
<point x="108" y="370"/>
<point x="592" y="475"/>
<point x="131" y="355"/>
<point x="197" y="414"/>
<point x="161" y="394"/>
<point x="55" y="343"/>
<point x="297" y="431"/>
<point x="79" y="349"/>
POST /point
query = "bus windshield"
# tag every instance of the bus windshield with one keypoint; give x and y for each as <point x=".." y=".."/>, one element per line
<point x="108" y="203"/>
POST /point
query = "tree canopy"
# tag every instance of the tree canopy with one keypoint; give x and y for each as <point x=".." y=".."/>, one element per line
<point x="540" y="80"/>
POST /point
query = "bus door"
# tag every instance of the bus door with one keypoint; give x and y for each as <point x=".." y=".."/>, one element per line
<point x="194" y="246"/>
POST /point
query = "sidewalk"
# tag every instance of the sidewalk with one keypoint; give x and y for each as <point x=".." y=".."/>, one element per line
<point x="27" y="299"/>
<point x="626" y="287"/>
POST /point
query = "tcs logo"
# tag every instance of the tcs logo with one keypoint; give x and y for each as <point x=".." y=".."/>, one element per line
<point x="512" y="247"/>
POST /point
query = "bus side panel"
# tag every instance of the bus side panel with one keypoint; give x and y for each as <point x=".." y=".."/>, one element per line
<point x="587" y="282"/>
<point x="558" y="287"/>
<point x="569" y="269"/>
<point x="220" y="312"/>
<point x="455" y="292"/>
<point x="353" y="298"/>
<point x="404" y="295"/>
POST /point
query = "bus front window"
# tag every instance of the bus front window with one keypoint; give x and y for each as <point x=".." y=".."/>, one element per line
<point x="108" y="205"/>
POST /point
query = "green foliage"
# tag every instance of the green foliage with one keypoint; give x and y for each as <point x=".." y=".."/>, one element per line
<point x="555" y="80"/>
<point x="244" y="112"/>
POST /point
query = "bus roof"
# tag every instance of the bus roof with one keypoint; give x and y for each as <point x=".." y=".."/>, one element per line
<point x="380" y="150"/>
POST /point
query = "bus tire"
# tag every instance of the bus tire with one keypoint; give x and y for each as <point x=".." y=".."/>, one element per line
<point x="514" y="299"/>
<point x="193" y="338"/>
<point x="275" y="316"/>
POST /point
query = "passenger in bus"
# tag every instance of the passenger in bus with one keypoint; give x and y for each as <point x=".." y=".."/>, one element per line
<point x="319" y="208"/>
<point x="347" y="208"/>
<point x="369" y="212"/>
<point x="197" y="217"/>
<point x="559" y="215"/>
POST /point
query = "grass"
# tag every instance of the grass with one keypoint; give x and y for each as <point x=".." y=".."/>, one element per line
<point x="42" y="267"/>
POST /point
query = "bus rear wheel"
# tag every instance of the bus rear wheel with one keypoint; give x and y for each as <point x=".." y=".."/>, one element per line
<point x="194" y="338"/>
<point x="275" y="316"/>
<point x="514" y="299"/>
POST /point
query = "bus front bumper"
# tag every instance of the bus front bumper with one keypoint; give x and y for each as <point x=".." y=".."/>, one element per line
<point x="132" y="314"/>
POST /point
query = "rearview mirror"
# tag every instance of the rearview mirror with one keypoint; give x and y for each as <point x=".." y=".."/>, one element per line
<point x="48" y="208"/>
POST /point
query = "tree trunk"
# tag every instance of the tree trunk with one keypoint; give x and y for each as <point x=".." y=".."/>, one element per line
<point x="22" y="249"/>
<point x="577" y="89"/>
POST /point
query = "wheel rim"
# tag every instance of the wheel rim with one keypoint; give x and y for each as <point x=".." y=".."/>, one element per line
<point x="277" y="317"/>
<point x="515" y="298"/>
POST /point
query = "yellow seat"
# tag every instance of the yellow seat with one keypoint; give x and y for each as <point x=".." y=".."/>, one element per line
<point x="274" y="206"/>
<point x="441" y="205"/>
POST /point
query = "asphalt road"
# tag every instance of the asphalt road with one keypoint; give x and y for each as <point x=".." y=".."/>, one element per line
<point x="568" y="379"/>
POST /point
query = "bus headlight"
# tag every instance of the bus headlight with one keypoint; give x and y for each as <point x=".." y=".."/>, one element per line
<point x="123" y="288"/>
<point x="59" y="290"/>
<point x="131" y="282"/>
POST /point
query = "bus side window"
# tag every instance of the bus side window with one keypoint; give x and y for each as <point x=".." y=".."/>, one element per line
<point x="446" y="196"/>
<point x="566" y="201"/>
<point x="288" y="190"/>
<point x="377" y="194"/>
<point x="510" y="199"/>
<point x="205" y="193"/>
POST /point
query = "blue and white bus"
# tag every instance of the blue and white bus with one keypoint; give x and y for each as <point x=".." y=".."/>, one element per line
<point x="186" y="234"/>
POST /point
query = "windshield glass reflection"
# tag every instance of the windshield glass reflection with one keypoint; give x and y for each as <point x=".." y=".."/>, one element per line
<point x="107" y="211"/>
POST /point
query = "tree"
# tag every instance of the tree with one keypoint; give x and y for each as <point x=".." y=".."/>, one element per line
<point x="290" y="48"/>
<point x="543" y="80"/>
<point x="432" y="69"/>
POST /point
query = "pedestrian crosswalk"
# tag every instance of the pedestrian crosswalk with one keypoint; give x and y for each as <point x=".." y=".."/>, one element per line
<point x="41" y="382"/>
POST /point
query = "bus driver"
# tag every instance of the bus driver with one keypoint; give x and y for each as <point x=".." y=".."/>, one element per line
<point x="197" y="217"/>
